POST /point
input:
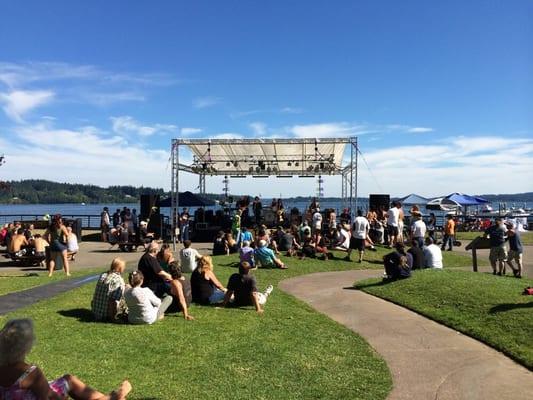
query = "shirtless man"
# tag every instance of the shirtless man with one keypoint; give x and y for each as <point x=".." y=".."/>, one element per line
<point x="17" y="241"/>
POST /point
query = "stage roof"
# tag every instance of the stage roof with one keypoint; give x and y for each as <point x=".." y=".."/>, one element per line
<point x="266" y="156"/>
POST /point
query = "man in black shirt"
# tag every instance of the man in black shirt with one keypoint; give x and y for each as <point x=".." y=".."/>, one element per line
<point x="154" y="276"/>
<point x="243" y="287"/>
<point x="416" y="252"/>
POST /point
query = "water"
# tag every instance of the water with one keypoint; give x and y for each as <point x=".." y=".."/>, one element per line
<point x="91" y="212"/>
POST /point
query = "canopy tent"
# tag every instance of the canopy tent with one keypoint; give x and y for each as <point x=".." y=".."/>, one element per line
<point x="303" y="157"/>
<point x="442" y="204"/>
<point x="188" y="199"/>
<point x="412" y="199"/>
<point x="267" y="156"/>
<point x="465" y="199"/>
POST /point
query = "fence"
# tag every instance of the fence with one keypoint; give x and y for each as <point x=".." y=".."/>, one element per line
<point x="87" y="221"/>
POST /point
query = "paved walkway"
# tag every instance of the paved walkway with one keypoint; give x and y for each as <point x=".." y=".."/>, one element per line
<point x="426" y="359"/>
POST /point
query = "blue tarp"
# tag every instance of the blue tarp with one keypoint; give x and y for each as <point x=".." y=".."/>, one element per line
<point x="466" y="200"/>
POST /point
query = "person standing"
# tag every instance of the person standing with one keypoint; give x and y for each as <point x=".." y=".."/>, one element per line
<point x="57" y="235"/>
<point x="418" y="229"/>
<point x="184" y="224"/>
<point x="360" y="230"/>
<point x="258" y="210"/>
<point x="393" y="216"/>
<point x="515" y="250"/>
<point x="116" y="218"/>
<point x="236" y="225"/>
<point x="104" y="223"/>
<point x="449" y="233"/>
<point x="497" y="234"/>
<point x="317" y="220"/>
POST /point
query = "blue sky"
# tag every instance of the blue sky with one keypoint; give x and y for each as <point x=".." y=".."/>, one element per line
<point x="440" y="95"/>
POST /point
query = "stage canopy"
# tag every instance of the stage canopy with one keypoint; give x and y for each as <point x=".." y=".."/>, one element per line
<point x="188" y="199"/>
<point x="267" y="156"/>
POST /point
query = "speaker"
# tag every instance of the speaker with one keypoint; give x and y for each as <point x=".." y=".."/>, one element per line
<point x="149" y="205"/>
<point x="377" y="200"/>
<point x="155" y="225"/>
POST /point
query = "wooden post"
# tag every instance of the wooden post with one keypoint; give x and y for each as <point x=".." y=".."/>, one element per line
<point x="474" y="258"/>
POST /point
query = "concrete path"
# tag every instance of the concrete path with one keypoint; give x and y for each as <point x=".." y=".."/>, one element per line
<point x="13" y="301"/>
<point x="426" y="359"/>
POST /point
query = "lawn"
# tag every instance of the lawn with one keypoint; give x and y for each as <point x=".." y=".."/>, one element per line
<point x="290" y="352"/>
<point x="486" y="307"/>
<point x="527" y="237"/>
<point x="17" y="282"/>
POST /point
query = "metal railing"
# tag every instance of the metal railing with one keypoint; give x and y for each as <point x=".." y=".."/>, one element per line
<point x="87" y="221"/>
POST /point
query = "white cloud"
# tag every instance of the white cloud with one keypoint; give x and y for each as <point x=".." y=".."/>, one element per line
<point x="92" y="156"/>
<point x="292" y="110"/>
<point x="205" y="102"/>
<point x="103" y="99"/>
<point x="334" y="129"/>
<point x="125" y="124"/>
<point x="258" y="128"/>
<point x="19" y="102"/>
<point x="419" y="129"/>
<point x="190" y="131"/>
<point x="228" y="135"/>
<point x="15" y="75"/>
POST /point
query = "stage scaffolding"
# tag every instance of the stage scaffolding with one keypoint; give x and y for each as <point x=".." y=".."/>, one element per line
<point x="283" y="158"/>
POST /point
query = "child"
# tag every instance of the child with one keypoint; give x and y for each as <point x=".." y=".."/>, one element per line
<point x="246" y="253"/>
<point x="19" y="380"/>
<point x="144" y="307"/>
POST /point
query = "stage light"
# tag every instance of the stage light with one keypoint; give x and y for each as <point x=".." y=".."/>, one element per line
<point x="296" y="163"/>
<point x="228" y="164"/>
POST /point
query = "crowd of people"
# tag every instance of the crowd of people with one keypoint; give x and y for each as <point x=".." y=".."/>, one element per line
<point x="58" y="243"/>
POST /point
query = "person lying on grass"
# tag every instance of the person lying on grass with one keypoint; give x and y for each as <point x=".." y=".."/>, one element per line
<point x="144" y="307"/>
<point x="108" y="298"/>
<point x="22" y="381"/>
<point x="242" y="290"/>
<point x="180" y="289"/>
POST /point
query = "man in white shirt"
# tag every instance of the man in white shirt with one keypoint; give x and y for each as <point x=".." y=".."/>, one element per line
<point x="418" y="229"/>
<point x="432" y="254"/>
<point x="393" y="216"/>
<point x="360" y="230"/>
<point x="317" y="221"/>
<point x="188" y="257"/>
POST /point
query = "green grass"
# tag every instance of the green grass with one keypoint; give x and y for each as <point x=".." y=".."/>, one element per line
<point x="22" y="281"/>
<point x="486" y="307"/>
<point x="527" y="237"/>
<point x="290" y="352"/>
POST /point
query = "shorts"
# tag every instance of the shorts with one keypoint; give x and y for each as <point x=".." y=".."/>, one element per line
<point x="357" y="244"/>
<point x="60" y="386"/>
<point x="57" y="246"/>
<point x="514" y="256"/>
<point x="392" y="230"/>
<point x="498" y="254"/>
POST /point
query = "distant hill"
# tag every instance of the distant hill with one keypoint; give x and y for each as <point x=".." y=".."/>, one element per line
<point x="38" y="191"/>
<point x="34" y="191"/>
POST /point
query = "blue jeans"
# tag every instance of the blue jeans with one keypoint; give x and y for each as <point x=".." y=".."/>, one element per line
<point x="184" y="233"/>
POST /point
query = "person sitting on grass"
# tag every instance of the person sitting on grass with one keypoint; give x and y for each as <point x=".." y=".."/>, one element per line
<point x="231" y="243"/>
<point x="206" y="288"/>
<point x="398" y="264"/>
<point x="108" y="299"/>
<point x="219" y="245"/>
<point x="154" y="276"/>
<point x="165" y="256"/>
<point x="188" y="257"/>
<point x="419" y="260"/>
<point x="180" y="289"/>
<point x="343" y="241"/>
<point x="144" y="307"/>
<point x="72" y="244"/>
<point x="432" y="254"/>
<point x="265" y="256"/>
<point x="246" y="253"/>
<point x="243" y="288"/>
<point x="22" y="381"/>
